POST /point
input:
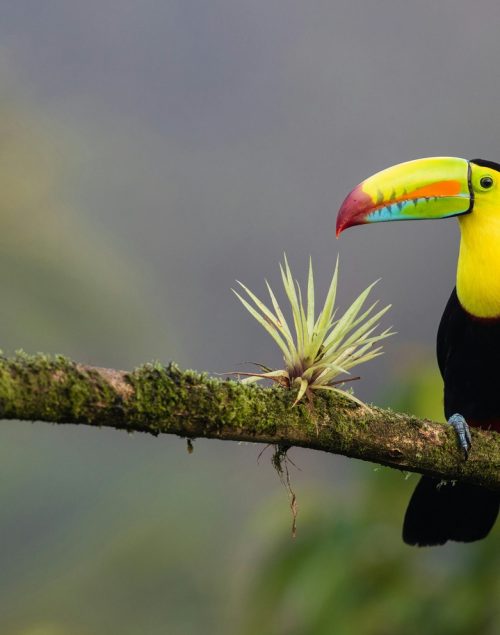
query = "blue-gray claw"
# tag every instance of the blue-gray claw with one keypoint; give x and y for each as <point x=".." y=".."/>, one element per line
<point x="463" y="432"/>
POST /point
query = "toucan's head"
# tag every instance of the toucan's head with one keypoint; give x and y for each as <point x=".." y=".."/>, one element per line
<point x="440" y="187"/>
<point x="436" y="187"/>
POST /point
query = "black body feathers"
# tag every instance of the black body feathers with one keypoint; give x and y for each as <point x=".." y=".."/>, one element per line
<point x="468" y="351"/>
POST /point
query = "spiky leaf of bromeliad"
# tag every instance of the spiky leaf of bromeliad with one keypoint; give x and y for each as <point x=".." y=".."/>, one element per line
<point x="321" y="348"/>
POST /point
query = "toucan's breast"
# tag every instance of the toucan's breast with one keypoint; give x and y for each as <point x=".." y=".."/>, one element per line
<point x="478" y="280"/>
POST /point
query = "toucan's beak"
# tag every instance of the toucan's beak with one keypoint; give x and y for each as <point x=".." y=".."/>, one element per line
<point x="437" y="187"/>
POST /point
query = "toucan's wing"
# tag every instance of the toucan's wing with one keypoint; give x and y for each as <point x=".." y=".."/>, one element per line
<point x="447" y="331"/>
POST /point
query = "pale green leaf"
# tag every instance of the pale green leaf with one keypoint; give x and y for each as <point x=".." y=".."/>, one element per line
<point x="269" y="314"/>
<point x="281" y="317"/>
<point x="302" y="391"/>
<point x="343" y="325"/>
<point x="326" y="314"/>
<point x="344" y="393"/>
<point x="265" y="324"/>
<point x="294" y="303"/>
<point x="310" y="299"/>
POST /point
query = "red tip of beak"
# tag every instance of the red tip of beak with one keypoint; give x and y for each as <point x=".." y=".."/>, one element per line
<point x="354" y="210"/>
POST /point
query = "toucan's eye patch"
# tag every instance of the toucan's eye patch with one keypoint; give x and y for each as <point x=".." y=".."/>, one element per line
<point x="486" y="182"/>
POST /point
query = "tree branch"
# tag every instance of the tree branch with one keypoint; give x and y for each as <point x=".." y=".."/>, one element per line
<point x="159" y="399"/>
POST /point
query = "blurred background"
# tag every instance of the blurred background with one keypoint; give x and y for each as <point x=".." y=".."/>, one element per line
<point x="150" y="154"/>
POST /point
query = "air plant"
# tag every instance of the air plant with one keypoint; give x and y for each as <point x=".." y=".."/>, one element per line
<point x="321" y="349"/>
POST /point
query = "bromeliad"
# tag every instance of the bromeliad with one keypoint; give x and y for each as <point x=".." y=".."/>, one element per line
<point x="320" y="348"/>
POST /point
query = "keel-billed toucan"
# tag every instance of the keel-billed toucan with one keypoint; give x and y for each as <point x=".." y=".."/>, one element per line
<point x="468" y="341"/>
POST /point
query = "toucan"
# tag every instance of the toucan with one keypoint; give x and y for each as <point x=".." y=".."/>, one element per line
<point x="468" y="339"/>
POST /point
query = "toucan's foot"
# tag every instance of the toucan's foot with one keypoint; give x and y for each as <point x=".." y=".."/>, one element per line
<point x="463" y="433"/>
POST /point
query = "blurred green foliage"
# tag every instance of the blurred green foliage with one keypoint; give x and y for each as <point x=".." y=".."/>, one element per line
<point x="65" y="287"/>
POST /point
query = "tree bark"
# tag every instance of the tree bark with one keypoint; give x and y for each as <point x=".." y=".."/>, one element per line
<point x="166" y="400"/>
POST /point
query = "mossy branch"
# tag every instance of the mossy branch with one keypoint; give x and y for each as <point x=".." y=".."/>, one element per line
<point x="166" y="400"/>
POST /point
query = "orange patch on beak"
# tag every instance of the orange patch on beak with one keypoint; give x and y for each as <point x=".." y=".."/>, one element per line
<point x="441" y="188"/>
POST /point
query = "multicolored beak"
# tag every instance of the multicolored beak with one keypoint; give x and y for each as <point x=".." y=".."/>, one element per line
<point x="436" y="187"/>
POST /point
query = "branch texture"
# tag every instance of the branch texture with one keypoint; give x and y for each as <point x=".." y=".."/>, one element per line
<point x="165" y="400"/>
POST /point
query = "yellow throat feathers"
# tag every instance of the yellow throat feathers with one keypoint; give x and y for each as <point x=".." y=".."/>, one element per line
<point x="478" y="271"/>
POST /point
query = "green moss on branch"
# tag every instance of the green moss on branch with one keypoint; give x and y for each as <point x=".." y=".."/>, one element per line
<point x="166" y="400"/>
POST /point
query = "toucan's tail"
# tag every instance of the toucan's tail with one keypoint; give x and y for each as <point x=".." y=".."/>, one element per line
<point x="438" y="512"/>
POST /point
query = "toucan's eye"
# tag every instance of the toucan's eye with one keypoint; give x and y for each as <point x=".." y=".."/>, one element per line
<point x="486" y="182"/>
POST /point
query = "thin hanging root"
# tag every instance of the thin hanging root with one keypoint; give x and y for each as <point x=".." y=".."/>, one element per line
<point x="262" y="451"/>
<point x="280" y="462"/>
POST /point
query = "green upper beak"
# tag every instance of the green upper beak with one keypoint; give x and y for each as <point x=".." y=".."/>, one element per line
<point x="436" y="187"/>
